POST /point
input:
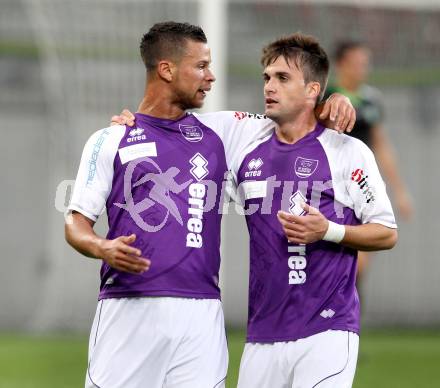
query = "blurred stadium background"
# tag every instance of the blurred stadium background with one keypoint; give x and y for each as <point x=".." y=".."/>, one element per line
<point x="67" y="66"/>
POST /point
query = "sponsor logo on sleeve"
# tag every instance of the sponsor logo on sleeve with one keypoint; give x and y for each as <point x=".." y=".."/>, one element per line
<point x="95" y="154"/>
<point x="192" y="133"/>
<point x="305" y="167"/>
<point x="361" y="179"/>
<point x="256" y="116"/>
<point x="242" y="115"/>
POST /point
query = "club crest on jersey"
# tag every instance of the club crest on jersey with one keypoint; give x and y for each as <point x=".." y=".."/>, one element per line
<point x="254" y="166"/>
<point x="296" y="200"/>
<point x="192" y="133"/>
<point x="305" y="167"/>
<point x="361" y="179"/>
<point x="136" y="134"/>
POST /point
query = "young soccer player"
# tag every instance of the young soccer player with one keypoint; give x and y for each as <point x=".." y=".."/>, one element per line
<point x="314" y="199"/>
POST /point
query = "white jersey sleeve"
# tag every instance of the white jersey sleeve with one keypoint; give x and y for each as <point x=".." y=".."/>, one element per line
<point x="237" y="130"/>
<point x="357" y="182"/>
<point x="95" y="174"/>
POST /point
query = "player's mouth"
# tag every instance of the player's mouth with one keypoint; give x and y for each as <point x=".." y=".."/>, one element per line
<point x="270" y="101"/>
<point x="204" y="91"/>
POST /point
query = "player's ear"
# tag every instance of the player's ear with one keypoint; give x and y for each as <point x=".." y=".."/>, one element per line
<point x="313" y="89"/>
<point x="166" y="70"/>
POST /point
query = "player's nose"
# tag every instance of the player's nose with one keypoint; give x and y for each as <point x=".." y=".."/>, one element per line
<point x="210" y="76"/>
<point x="269" y="87"/>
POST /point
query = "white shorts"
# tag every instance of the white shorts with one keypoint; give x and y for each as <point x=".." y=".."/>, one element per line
<point x="324" y="360"/>
<point x="157" y="342"/>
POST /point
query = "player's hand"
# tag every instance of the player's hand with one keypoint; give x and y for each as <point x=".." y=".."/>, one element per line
<point x="120" y="255"/>
<point x="125" y="118"/>
<point x="337" y="113"/>
<point x="304" y="229"/>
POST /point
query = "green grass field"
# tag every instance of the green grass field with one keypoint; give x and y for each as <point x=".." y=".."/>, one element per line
<point x="388" y="359"/>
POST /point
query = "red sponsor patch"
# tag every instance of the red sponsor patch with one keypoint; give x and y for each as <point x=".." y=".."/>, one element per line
<point x="361" y="180"/>
<point x="357" y="175"/>
<point x="240" y="115"/>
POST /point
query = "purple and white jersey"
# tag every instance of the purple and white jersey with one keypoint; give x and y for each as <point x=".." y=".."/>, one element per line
<point x="297" y="290"/>
<point x="161" y="180"/>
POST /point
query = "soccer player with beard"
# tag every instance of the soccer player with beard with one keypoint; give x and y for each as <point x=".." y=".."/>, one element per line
<point x="313" y="197"/>
<point x="159" y="321"/>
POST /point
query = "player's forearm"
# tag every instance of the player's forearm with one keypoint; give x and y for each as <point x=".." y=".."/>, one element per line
<point x="369" y="237"/>
<point x="80" y="235"/>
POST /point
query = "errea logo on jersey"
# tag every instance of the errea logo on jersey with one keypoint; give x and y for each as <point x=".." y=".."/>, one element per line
<point x="199" y="163"/>
<point x="136" y="134"/>
<point x="254" y="165"/>
<point x="296" y="201"/>
<point x="196" y="201"/>
<point x="327" y="313"/>
<point x="297" y="263"/>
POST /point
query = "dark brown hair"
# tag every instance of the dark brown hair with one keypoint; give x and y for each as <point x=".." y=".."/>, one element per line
<point x="305" y="52"/>
<point x="167" y="40"/>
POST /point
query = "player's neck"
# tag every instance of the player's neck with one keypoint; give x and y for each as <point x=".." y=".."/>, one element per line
<point x="292" y="131"/>
<point x="159" y="102"/>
